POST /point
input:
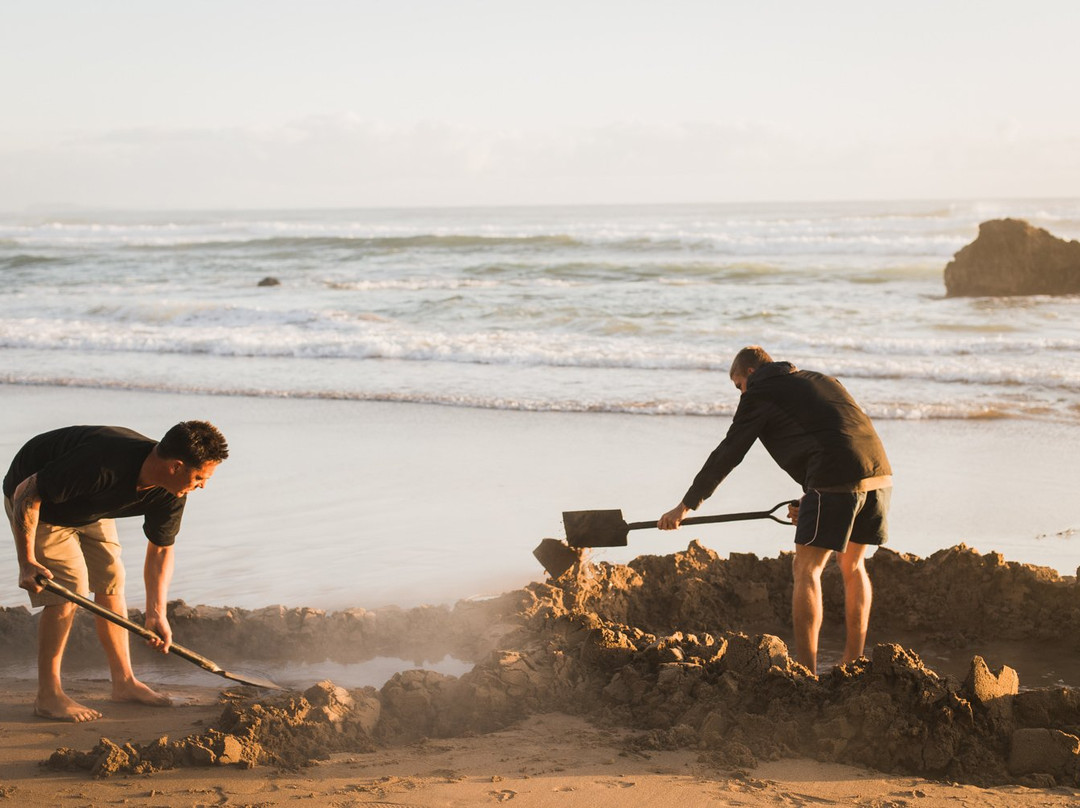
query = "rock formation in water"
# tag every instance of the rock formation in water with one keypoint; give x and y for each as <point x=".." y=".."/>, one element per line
<point x="1010" y="257"/>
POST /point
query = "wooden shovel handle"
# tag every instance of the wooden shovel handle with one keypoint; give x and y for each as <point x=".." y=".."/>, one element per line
<point x="133" y="627"/>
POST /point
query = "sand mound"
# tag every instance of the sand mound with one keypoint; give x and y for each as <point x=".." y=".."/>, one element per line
<point x="667" y="645"/>
<point x="287" y="731"/>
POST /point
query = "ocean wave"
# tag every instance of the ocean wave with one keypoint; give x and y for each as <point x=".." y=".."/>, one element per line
<point x="1045" y="363"/>
<point x="884" y="411"/>
<point x="985" y="340"/>
<point x="25" y="260"/>
<point x="366" y="243"/>
<point x="415" y="284"/>
<point x="734" y="238"/>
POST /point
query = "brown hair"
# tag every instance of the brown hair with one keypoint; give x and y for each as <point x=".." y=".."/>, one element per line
<point x="749" y="358"/>
<point x="195" y="443"/>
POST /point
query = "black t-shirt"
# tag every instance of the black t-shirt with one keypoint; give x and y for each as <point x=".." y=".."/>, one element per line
<point x="87" y="473"/>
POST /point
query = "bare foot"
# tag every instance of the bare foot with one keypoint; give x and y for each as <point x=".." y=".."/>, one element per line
<point x="136" y="691"/>
<point x="63" y="708"/>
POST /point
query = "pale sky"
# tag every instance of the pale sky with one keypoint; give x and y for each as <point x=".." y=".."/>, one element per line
<point x="328" y="103"/>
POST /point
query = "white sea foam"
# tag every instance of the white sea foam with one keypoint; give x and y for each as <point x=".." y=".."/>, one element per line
<point x="884" y="411"/>
<point x="586" y="309"/>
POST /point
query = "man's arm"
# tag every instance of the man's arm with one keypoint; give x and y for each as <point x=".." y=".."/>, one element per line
<point x="745" y="428"/>
<point x="25" y="513"/>
<point x="157" y="575"/>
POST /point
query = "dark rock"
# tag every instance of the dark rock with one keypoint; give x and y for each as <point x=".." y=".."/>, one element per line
<point x="269" y="281"/>
<point x="1010" y="257"/>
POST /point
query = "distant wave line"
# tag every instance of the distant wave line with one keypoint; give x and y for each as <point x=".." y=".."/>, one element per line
<point x="526" y="350"/>
<point x="734" y="242"/>
<point x="452" y="241"/>
<point x="27" y="259"/>
<point x="881" y="411"/>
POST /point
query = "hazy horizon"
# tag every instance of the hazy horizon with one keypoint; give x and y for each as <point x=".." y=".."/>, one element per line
<point x="332" y="104"/>
<point x="72" y="209"/>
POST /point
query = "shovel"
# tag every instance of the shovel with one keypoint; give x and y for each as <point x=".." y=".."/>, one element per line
<point x="609" y="529"/>
<point x="147" y="634"/>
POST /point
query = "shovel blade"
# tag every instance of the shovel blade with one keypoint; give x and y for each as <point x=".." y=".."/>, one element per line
<point x="254" y="681"/>
<point x="556" y="557"/>
<point x="595" y="528"/>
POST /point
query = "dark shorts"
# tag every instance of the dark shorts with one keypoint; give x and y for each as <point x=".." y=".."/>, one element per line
<point x="831" y="520"/>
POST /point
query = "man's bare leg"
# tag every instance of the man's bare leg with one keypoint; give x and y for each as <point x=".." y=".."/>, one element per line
<point x="54" y="627"/>
<point x="858" y="595"/>
<point x="806" y="608"/>
<point x="114" y="639"/>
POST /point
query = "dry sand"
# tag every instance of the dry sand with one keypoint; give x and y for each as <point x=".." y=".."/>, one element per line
<point x="545" y="760"/>
<point x="638" y="684"/>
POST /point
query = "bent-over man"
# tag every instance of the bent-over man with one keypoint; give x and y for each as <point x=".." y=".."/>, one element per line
<point x="817" y="433"/>
<point x="61" y="494"/>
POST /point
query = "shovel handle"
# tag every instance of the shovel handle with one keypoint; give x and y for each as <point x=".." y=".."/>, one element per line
<point x="726" y="517"/>
<point x="133" y="627"/>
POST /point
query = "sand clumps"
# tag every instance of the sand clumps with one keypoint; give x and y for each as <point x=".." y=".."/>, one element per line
<point x="676" y="648"/>
<point x="287" y="731"/>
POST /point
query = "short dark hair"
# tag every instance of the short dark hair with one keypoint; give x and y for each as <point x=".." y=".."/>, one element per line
<point x="195" y="443"/>
<point x="749" y="358"/>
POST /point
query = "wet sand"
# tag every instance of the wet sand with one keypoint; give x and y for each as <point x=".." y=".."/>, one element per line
<point x="336" y="504"/>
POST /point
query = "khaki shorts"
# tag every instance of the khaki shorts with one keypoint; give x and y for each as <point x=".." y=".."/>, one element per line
<point x="84" y="559"/>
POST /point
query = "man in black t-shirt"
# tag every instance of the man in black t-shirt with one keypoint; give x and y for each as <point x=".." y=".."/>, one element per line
<point x="61" y="494"/>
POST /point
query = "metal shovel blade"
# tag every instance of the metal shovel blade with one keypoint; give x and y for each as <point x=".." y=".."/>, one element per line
<point x="556" y="557"/>
<point x="147" y="634"/>
<point x="247" y="679"/>
<point x="595" y="528"/>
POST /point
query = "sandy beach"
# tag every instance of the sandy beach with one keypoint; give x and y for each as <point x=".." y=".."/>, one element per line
<point x="547" y="760"/>
<point x="490" y="736"/>
<point x="442" y="274"/>
<point x="336" y="517"/>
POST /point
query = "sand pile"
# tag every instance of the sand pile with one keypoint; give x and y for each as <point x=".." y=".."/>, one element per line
<point x="225" y="634"/>
<point x="287" y="731"/>
<point x="674" y="646"/>
<point x="955" y="595"/>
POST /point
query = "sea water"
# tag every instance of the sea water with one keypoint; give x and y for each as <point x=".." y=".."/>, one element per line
<point x="591" y="309"/>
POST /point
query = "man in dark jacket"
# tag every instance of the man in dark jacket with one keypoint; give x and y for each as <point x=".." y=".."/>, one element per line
<point x="816" y="432"/>
<point x="61" y="494"/>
